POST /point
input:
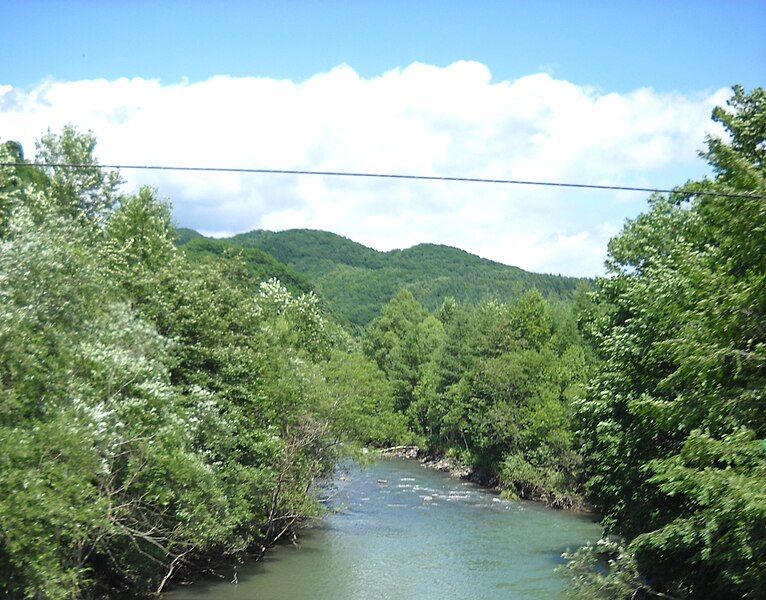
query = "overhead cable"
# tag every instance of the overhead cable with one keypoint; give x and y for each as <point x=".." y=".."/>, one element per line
<point x="590" y="186"/>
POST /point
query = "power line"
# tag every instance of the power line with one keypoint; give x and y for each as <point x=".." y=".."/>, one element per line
<point x="589" y="186"/>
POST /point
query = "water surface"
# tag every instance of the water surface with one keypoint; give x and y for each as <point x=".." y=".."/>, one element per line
<point x="407" y="532"/>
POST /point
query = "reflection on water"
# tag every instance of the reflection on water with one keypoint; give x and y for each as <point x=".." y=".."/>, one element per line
<point x="405" y="531"/>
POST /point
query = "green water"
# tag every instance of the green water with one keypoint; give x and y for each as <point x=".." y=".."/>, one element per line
<point x="388" y="542"/>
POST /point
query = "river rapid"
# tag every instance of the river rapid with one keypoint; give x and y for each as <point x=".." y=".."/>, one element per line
<point x="402" y="531"/>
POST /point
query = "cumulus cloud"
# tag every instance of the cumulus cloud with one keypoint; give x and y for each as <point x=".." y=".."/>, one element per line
<point x="421" y="119"/>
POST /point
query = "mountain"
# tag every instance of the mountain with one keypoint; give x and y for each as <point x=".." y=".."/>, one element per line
<point x="356" y="281"/>
<point x="186" y="235"/>
<point x="259" y="264"/>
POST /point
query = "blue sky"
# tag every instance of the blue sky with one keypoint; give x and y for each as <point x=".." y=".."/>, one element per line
<point x="615" y="45"/>
<point x="599" y="92"/>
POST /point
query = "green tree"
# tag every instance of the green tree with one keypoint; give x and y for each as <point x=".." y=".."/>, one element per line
<point x="97" y="463"/>
<point x="154" y="414"/>
<point x="391" y="340"/>
<point x="672" y="424"/>
<point x="87" y="192"/>
<point x="361" y="402"/>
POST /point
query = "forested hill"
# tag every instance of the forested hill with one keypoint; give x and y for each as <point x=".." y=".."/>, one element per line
<point x="259" y="265"/>
<point x="356" y="281"/>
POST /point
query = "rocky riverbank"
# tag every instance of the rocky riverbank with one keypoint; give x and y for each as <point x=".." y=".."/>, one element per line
<point x="460" y="471"/>
<point x="439" y="463"/>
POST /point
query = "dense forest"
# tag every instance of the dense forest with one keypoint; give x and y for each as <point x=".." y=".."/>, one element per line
<point x="356" y="281"/>
<point x="169" y="401"/>
<point x="489" y="386"/>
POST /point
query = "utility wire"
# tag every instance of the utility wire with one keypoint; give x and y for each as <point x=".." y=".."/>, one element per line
<point x="589" y="186"/>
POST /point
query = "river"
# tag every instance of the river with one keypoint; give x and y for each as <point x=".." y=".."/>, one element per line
<point x="388" y="540"/>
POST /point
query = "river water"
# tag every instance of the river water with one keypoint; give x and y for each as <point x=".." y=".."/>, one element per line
<point x="389" y="540"/>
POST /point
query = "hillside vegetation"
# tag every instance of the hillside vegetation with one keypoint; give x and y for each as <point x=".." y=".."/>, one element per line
<point x="356" y="281"/>
<point x="259" y="265"/>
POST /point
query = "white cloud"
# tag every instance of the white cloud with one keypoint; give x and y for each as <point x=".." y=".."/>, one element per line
<point x="420" y="119"/>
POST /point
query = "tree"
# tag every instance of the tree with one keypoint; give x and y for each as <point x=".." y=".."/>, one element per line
<point x="391" y="340"/>
<point x="155" y="414"/>
<point x="87" y="192"/>
<point x="671" y="424"/>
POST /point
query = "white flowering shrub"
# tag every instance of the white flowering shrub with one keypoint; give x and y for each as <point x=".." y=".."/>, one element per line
<point x="95" y="456"/>
<point x="297" y="320"/>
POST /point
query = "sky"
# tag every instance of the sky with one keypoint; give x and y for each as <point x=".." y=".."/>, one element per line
<point x="615" y="93"/>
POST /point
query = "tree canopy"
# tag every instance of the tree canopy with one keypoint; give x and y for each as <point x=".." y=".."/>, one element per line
<point x="673" y="424"/>
<point x="156" y="414"/>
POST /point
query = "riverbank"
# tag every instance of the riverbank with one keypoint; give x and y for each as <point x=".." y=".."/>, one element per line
<point x="458" y="470"/>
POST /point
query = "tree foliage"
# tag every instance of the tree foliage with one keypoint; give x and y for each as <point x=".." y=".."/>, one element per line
<point x="154" y="413"/>
<point x="491" y="385"/>
<point x="673" y="424"/>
